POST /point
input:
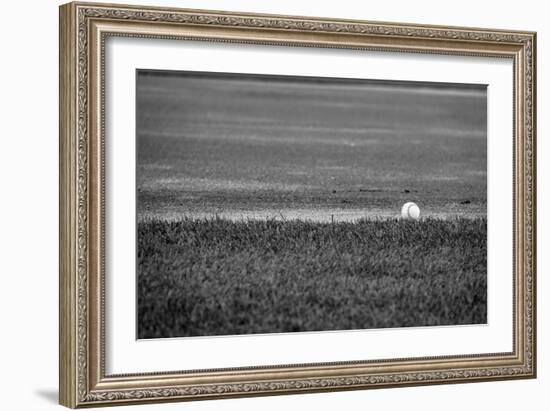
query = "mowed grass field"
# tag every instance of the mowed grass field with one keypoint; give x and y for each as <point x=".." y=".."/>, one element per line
<point x="199" y="277"/>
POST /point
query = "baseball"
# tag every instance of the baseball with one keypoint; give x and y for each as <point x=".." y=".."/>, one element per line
<point x="410" y="210"/>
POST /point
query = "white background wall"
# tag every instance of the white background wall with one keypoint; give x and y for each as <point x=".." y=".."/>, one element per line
<point x="28" y="205"/>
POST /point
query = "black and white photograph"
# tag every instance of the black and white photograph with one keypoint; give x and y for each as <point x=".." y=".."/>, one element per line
<point x="277" y="204"/>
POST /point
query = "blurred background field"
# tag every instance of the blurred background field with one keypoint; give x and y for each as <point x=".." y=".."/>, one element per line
<point x="243" y="146"/>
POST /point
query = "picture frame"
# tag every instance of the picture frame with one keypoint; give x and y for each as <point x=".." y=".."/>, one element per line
<point x="85" y="29"/>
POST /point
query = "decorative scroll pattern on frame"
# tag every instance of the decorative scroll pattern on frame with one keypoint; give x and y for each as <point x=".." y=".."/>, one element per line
<point x="84" y="14"/>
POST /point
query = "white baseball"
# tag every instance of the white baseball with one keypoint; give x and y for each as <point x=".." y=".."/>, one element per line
<point x="410" y="210"/>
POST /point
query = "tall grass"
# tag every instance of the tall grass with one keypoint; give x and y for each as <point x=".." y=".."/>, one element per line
<point x="219" y="277"/>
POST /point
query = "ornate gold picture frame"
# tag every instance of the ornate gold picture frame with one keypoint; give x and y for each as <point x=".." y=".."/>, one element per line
<point x="84" y="30"/>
